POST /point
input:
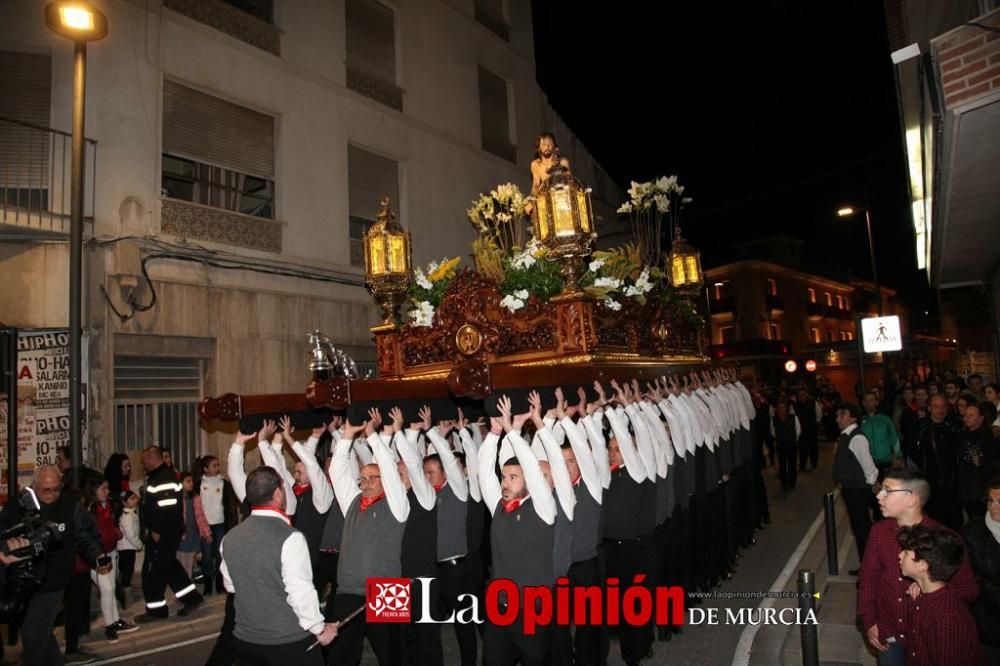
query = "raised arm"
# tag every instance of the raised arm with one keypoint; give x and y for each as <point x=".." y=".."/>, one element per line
<point x="395" y="493"/>
<point x="561" y="482"/>
<point x="344" y="485"/>
<point x="452" y="468"/>
<point x="471" y="450"/>
<point x="322" y="491"/>
<point x="534" y="480"/>
<point x="235" y="462"/>
<point x="489" y="484"/>
<point x="406" y="447"/>
<point x="633" y="464"/>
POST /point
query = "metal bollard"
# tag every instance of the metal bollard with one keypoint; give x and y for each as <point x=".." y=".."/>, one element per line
<point x="833" y="566"/>
<point x="809" y="632"/>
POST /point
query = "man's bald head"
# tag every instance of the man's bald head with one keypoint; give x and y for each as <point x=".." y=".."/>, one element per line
<point x="152" y="457"/>
<point x="47" y="483"/>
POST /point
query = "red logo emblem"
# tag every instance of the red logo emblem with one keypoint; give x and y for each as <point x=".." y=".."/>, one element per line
<point x="388" y="600"/>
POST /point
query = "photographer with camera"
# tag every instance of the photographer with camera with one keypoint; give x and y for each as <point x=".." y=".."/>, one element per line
<point x="74" y="533"/>
<point x="19" y="579"/>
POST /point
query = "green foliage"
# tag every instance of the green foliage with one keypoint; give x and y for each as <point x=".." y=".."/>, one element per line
<point x="541" y="279"/>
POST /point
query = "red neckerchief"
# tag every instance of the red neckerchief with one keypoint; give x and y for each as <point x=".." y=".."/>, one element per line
<point x="512" y="505"/>
<point x="272" y="509"/>
<point x="576" y="481"/>
<point x="439" y="486"/>
<point x="368" y="501"/>
<point x="299" y="490"/>
<point x="615" y="468"/>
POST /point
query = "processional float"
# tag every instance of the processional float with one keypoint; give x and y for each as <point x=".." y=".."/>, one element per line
<point x="531" y="315"/>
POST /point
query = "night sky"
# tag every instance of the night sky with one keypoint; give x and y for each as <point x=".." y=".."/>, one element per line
<point x="773" y="114"/>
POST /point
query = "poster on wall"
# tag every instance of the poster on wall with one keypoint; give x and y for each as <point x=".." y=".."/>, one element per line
<point x="42" y="374"/>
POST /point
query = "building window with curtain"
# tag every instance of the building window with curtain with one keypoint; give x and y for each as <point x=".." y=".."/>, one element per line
<point x="371" y="52"/>
<point x="370" y="177"/>
<point x="217" y="153"/>
<point x="491" y="14"/>
<point x="494" y="115"/>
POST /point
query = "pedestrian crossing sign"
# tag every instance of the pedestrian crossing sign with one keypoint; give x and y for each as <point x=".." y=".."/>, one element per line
<point x="881" y="334"/>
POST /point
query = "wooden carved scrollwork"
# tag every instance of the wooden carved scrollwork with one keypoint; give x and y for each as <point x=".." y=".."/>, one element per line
<point x="470" y="379"/>
<point x="223" y="408"/>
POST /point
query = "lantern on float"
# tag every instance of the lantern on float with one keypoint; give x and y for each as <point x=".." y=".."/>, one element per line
<point x="684" y="263"/>
<point x="387" y="263"/>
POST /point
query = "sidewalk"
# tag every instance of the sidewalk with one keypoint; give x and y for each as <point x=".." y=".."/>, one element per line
<point x="840" y="641"/>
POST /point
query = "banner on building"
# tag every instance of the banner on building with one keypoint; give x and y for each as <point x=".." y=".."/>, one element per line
<point x="42" y="373"/>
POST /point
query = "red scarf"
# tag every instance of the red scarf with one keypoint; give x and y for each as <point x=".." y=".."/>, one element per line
<point x="439" y="486"/>
<point x="368" y="501"/>
<point x="615" y="468"/>
<point x="512" y="505"/>
<point x="254" y="507"/>
<point x="576" y="481"/>
<point x="299" y="490"/>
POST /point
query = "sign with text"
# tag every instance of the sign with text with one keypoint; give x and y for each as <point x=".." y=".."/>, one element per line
<point x="881" y="334"/>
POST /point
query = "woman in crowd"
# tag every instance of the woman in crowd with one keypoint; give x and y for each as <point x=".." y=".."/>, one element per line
<point x="117" y="472"/>
<point x="196" y="526"/>
<point x="131" y="541"/>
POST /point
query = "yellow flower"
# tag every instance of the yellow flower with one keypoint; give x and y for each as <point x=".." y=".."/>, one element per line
<point x="444" y="269"/>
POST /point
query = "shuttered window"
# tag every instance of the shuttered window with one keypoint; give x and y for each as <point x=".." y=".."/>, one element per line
<point x="25" y="97"/>
<point x="494" y="115"/>
<point x="217" y="153"/>
<point x="371" y="38"/>
<point x="370" y="177"/>
<point x="156" y="400"/>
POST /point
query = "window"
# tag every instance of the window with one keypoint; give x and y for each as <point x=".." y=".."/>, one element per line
<point x="490" y="13"/>
<point x="829" y="335"/>
<point x="156" y="402"/>
<point x="370" y="177"/>
<point x="829" y="298"/>
<point x="772" y="331"/>
<point x="840" y="302"/>
<point x="261" y="9"/>
<point x="848" y="335"/>
<point x="494" y="115"/>
<point x="847" y="303"/>
<point x="772" y="287"/>
<point x="812" y="294"/>
<point x="371" y="38"/>
<point x="216" y="153"/>
<point x="25" y="97"/>
<point x="814" y="335"/>
<point x="721" y="290"/>
<point x="725" y="335"/>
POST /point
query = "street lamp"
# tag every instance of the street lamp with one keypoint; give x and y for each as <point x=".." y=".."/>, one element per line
<point x="849" y="211"/>
<point x="80" y="23"/>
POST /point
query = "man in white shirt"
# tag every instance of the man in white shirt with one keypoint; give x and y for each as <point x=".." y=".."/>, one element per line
<point x="267" y="562"/>
<point x="855" y="471"/>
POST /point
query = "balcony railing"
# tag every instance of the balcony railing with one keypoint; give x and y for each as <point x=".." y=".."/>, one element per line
<point x="35" y="165"/>
<point x="374" y="86"/>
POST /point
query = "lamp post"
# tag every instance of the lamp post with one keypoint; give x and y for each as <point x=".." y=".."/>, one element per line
<point x="80" y="23"/>
<point x="849" y="211"/>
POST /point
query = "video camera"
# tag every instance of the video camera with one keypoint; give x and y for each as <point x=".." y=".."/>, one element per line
<point x="38" y="532"/>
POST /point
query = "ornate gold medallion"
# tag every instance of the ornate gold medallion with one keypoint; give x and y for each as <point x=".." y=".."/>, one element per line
<point x="468" y="339"/>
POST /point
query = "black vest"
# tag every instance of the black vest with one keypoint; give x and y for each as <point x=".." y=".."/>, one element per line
<point x="629" y="508"/>
<point x="475" y="521"/>
<point x="586" y="524"/>
<point x="806" y="412"/>
<point x="784" y="431"/>
<point x="419" y="555"/>
<point x="562" y="544"/>
<point x="846" y="468"/>
<point x="310" y="522"/>
<point x="521" y="544"/>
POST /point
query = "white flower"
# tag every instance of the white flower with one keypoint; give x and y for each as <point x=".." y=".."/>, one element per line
<point x="423" y="314"/>
<point x="521" y="294"/>
<point x="512" y="303"/>
<point x="662" y="202"/>
<point x="612" y="282"/>
<point x="612" y="304"/>
<point x="663" y="184"/>
<point x="523" y="259"/>
<point x="421" y="279"/>
<point x="595" y="265"/>
<point x="632" y="290"/>
<point x="642" y="283"/>
<point x="686" y="200"/>
<point x="625" y="208"/>
<point x="433" y="266"/>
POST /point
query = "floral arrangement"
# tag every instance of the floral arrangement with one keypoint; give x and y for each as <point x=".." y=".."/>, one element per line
<point x="428" y="287"/>
<point x="498" y="215"/>
<point x="648" y="203"/>
<point x="620" y="273"/>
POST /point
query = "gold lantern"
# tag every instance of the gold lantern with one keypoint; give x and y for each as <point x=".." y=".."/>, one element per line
<point x="563" y="221"/>
<point x="685" y="267"/>
<point x="387" y="263"/>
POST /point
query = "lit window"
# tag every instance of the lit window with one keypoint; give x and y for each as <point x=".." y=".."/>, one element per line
<point x="840" y="302"/>
<point x="725" y="335"/>
<point x="829" y="298"/>
<point x="812" y="294"/>
<point x="772" y="332"/>
<point x="814" y="335"/>
<point x="772" y="287"/>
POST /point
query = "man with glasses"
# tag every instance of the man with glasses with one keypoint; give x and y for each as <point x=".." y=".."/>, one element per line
<point x="883" y="594"/>
<point x="855" y="471"/>
<point x="78" y="536"/>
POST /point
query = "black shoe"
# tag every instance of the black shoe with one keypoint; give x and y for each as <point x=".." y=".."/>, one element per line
<point x="853" y="572"/>
<point x="191" y="601"/>
<point x="111" y="634"/>
<point x="80" y="657"/>
<point x="208" y="587"/>
<point x="124" y="627"/>
<point x="152" y="615"/>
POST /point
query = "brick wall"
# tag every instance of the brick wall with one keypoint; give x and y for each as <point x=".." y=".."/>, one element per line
<point x="969" y="58"/>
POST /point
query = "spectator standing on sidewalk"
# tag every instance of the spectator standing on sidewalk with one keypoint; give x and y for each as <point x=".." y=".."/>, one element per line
<point x="854" y="470"/>
<point x="196" y="528"/>
<point x="809" y="414"/>
<point x="97" y="496"/>
<point x="978" y="460"/>
<point x="883" y="441"/>
<point x="128" y="545"/>
<point x="983" y="540"/>
<point x="220" y="505"/>
<point x="786" y="430"/>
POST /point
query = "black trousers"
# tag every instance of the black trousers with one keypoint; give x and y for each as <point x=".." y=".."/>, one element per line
<point x="625" y="559"/>
<point x="786" y="464"/>
<point x="76" y="613"/>
<point x="506" y="646"/>
<point x="40" y="645"/>
<point x="326" y="574"/>
<point x="160" y="569"/>
<point x="583" y="648"/>
<point x="223" y="653"/>
<point x="422" y="642"/>
<point x="298" y="653"/>
<point x="808" y="450"/>
<point x="453" y="580"/>
<point x="346" y="649"/>
<point x="857" y="501"/>
<point x="126" y="568"/>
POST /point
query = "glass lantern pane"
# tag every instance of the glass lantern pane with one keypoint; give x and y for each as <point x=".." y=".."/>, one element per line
<point x="677" y="270"/>
<point x="581" y="204"/>
<point x="542" y="206"/>
<point x="562" y="213"/>
<point x="376" y="253"/>
<point x="691" y="265"/>
<point x="397" y="253"/>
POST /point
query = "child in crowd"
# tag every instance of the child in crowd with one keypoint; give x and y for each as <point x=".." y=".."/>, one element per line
<point x="131" y="541"/>
<point x="217" y="498"/>
<point x="196" y="526"/>
<point x="97" y="496"/>
<point x="941" y="630"/>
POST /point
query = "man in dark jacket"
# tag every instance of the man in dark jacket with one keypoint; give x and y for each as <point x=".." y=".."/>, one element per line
<point x="162" y="512"/>
<point x="977" y="461"/>
<point x="982" y="537"/>
<point x="936" y="455"/>
<point x="78" y="536"/>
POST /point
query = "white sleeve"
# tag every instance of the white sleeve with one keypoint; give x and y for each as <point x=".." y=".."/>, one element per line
<point x="506" y="450"/>
<point x="237" y="475"/>
<point x="453" y="470"/>
<point x="322" y="491"/>
<point x="311" y="445"/>
<point x="598" y="446"/>
<point x="471" y="449"/>
<point x="798" y="428"/>
<point x="227" y="582"/>
<point x="538" y="487"/>
<point x="300" y="593"/>
<point x="407" y="450"/>
<point x="859" y="447"/>
<point x="363" y="452"/>
<point x="660" y="438"/>
<point x="645" y="446"/>
<point x="584" y="458"/>
<point x="392" y="485"/>
<point x="560" y="473"/>
<point x="633" y="464"/>
<point x="489" y="484"/>
<point x="677" y="434"/>
<point x="344" y="485"/>
<point x="272" y="456"/>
